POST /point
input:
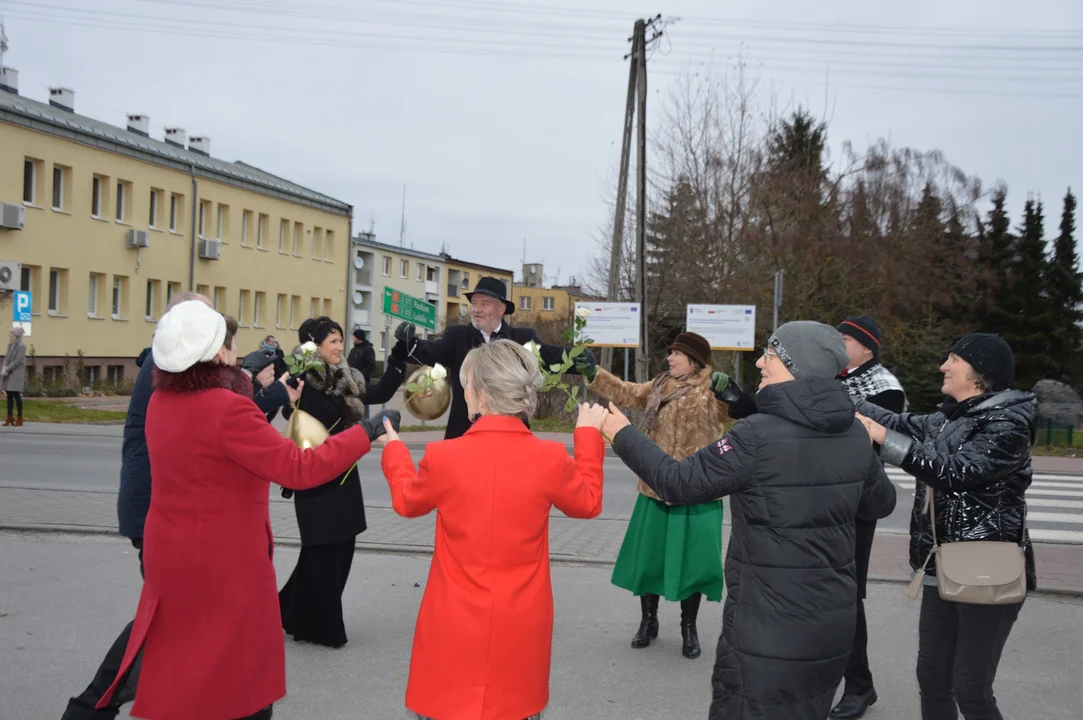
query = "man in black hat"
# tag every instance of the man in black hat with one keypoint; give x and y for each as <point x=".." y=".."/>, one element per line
<point x="864" y="379"/>
<point x="362" y="358"/>
<point x="489" y="308"/>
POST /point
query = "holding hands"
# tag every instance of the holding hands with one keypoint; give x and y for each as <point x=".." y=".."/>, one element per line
<point x="615" y="421"/>
<point x="591" y="415"/>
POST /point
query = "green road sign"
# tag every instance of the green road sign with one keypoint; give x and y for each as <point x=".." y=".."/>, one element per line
<point x="409" y="308"/>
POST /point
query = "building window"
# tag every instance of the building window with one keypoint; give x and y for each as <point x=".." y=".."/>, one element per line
<point x="58" y="187"/>
<point x="154" y="195"/>
<point x="202" y="217"/>
<point x="171" y="289"/>
<point x="55" y="278"/>
<point x="524" y="302"/>
<point x="25" y="278"/>
<point x="257" y="308"/>
<point x="261" y="224"/>
<point x="152" y="290"/>
<point x="327" y="307"/>
<point x="174" y="211"/>
<point x="92" y="296"/>
<point x="280" y="311"/>
<point x="329" y="246"/>
<point x="420" y="272"/>
<point x="242" y="305"/>
<point x="295" y="310"/>
<point x="219" y="299"/>
<point x="122" y="201"/>
<point x="114" y="374"/>
<point x="404" y="268"/>
<point x="52" y="374"/>
<point x="314" y="308"/>
<point x="244" y="227"/>
<point x="298" y="239"/>
<point x="96" y="196"/>
<point x="317" y="243"/>
<point x="222" y="228"/>
<point x="283" y="228"/>
<point x="466" y="280"/>
<point x="548" y="302"/>
<point x="30" y="177"/>
<point x="119" y="282"/>
<point x="383" y="340"/>
<point x="93" y="374"/>
<point x="386" y="266"/>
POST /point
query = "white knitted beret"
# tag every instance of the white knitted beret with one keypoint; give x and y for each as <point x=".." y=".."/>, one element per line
<point x="189" y="333"/>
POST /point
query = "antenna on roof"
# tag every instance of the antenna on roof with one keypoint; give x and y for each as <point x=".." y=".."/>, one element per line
<point x="402" y="227"/>
<point x="3" y="41"/>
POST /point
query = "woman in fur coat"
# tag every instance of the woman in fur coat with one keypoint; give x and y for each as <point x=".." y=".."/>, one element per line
<point x="673" y="551"/>
<point x="331" y="516"/>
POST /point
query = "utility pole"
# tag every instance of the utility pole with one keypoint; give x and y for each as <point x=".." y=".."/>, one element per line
<point x="778" y="296"/>
<point x="643" y="357"/>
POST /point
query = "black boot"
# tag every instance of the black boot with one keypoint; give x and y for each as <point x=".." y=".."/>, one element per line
<point x="689" y="636"/>
<point x="648" y="628"/>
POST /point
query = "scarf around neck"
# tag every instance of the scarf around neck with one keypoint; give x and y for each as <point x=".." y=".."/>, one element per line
<point x="658" y="400"/>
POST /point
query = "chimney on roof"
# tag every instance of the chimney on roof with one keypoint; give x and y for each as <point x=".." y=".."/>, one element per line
<point x="176" y="136"/>
<point x="200" y="145"/>
<point x="139" y="124"/>
<point x="63" y="98"/>
<point x="9" y="80"/>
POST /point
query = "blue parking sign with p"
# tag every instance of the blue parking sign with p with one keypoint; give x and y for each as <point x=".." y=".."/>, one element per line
<point x="23" y="305"/>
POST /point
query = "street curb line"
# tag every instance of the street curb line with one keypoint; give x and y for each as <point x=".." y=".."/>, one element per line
<point x="414" y="550"/>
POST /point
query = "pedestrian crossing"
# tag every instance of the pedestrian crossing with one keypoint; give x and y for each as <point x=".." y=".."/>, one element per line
<point x="1054" y="505"/>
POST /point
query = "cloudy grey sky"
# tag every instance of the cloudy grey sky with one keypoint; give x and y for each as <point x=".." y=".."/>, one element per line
<point x="503" y="119"/>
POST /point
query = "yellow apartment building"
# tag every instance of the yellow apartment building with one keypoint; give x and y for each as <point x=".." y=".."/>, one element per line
<point x="536" y="303"/>
<point x="102" y="224"/>
<point x="462" y="276"/>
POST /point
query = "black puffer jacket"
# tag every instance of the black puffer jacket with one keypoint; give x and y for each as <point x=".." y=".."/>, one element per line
<point x="798" y="473"/>
<point x="977" y="457"/>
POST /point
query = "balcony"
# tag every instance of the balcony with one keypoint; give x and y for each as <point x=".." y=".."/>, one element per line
<point x="432" y="288"/>
<point x="361" y="317"/>
<point x="452" y="290"/>
<point x="363" y="278"/>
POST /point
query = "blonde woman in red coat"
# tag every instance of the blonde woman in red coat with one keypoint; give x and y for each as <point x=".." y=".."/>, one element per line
<point x="484" y="632"/>
<point x="208" y="620"/>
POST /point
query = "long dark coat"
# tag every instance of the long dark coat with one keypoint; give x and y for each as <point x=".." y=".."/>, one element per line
<point x="451" y="349"/>
<point x="798" y="474"/>
<point x="335" y="512"/>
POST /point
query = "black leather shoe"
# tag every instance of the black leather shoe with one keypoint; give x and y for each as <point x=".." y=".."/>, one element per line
<point x="648" y="627"/>
<point x="851" y="707"/>
<point x="690" y="647"/>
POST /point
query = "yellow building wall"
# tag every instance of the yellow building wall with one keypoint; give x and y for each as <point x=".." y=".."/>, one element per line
<point x="563" y="303"/>
<point x="76" y="244"/>
<point x="453" y="313"/>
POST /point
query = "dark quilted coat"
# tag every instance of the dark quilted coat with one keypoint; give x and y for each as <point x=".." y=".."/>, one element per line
<point x="797" y="473"/>
<point x="976" y="455"/>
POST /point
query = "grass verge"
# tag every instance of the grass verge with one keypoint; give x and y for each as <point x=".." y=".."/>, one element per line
<point x="52" y="411"/>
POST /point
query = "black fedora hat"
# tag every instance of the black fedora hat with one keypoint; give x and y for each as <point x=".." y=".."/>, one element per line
<point x="493" y="288"/>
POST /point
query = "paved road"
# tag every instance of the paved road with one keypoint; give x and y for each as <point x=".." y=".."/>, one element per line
<point x="63" y="600"/>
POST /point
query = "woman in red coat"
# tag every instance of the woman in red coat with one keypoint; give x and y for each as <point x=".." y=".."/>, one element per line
<point x="485" y="629"/>
<point x="208" y="619"/>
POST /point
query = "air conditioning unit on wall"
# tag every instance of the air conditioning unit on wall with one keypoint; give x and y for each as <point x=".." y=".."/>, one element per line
<point x="138" y="238"/>
<point x="210" y="249"/>
<point x="10" y="275"/>
<point x="12" y="217"/>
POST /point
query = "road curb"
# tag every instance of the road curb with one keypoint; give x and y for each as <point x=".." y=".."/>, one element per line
<point x="415" y="550"/>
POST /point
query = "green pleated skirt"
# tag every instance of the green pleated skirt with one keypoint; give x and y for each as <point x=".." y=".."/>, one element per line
<point x="673" y="551"/>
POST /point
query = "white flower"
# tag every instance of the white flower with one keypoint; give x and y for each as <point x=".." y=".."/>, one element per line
<point x="532" y="347"/>
<point x="309" y="348"/>
<point x="583" y="313"/>
<point x="438" y="372"/>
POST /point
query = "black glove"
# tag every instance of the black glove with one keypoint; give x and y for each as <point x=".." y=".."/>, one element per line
<point x="374" y="426"/>
<point x="587" y="365"/>
<point x="255" y="361"/>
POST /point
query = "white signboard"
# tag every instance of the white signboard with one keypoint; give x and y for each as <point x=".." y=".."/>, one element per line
<point x="726" y="327"/>
<point x="612" y="324"/>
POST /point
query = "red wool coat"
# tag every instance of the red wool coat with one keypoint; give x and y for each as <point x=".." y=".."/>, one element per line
<point x="209" y="615"/>
<point x="484" y="632"/>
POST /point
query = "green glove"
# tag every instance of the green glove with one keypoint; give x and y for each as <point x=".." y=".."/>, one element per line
<point x="719" y="383"/>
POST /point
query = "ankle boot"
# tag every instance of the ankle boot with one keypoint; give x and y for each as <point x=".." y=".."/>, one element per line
<point x="18" y="421"/>
<point x="9" y="422"/>
<point x="648" y="627"/>
<point x="690" y="638"/>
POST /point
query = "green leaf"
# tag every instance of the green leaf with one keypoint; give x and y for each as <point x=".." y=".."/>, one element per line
<point x="565" y="356"/>
<point x="569" y="405"/>
<point x="577" y="351"/>
<point x="575" y="391"/>
<point x="555" y="368"/>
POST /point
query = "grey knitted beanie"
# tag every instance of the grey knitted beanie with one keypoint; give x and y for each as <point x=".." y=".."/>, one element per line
<point x="810" y="349"/>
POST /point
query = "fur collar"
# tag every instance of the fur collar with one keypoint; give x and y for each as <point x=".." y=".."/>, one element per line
<point x="204" y="376"/>
<point x="341" y="381"/>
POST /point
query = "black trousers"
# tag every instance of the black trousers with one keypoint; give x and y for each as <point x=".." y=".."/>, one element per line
<point x="858" y="675"/>
<point x="959" y="648"/>
<point x="82" y="707"/>
<point x="15" y="399"/>
<point x="311" y="600"/>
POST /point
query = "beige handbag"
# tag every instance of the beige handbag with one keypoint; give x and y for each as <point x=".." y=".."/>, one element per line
<point x="982" y="572"/>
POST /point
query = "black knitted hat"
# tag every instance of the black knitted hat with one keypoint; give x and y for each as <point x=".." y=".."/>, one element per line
<point x="990" y="356"/>
<point x="865" y="330"/>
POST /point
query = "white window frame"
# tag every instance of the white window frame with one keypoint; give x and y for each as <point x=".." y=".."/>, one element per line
<point x="96" y="196"/>
<point x="524" y="302"/>
<point x="217" y="299"/>
<point x="383" y="340"/>
<point x="54" y="291"/>
<point x="278" y="309"/>
<point x="218" y="235"/>
<point x="174" y="208"/>
<point x="256" y="295"/>
<point x="118" y="296"/>
<point x="92" y="296"/>
<point x="259" y="230"/>
<point x="58" y="186"/>
<point x="149" y="304"/>
<point x="122" y="201"/>
<point x="421" y="272"/>
<point x="153" y="208"/>
<point x="240" y="306"/>
<point x="328" y="240"/>
<point x="202" y="217"/>
<point x="404" y="269"/>
<point x="244" y="227"/>
<point x="385" y="266"/>
<point x="549" y="303"/>
<point x="298" y="229"/>
<point x="293" y="312"/>
<point x="283" y="225"/>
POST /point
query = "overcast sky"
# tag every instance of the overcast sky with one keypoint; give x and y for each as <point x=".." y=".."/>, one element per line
<point x="503" y="119"/>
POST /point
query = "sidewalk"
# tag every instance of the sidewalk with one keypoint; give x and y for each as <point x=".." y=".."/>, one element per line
<point x="64" y="599"/>
<point x="1060" y="567"/>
